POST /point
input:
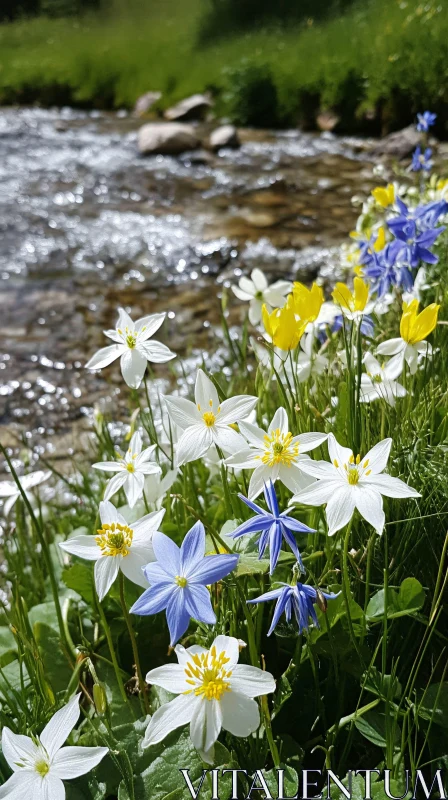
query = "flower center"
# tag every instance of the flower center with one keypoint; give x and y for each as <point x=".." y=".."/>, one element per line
<point x="42" y="767"/>
<point x="182" y="582"/>
<point x="131" y="340"/>
<point x="130" y="467"/>
<point x="114" y="539"/>
<point x="352" y="469"/>
<point x="209" y="418"/>
<point x="207" y="674"/>
<point x="279" y="449"/>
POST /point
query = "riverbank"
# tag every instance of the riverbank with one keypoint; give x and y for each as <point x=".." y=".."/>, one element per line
<point x="374" y="66"/>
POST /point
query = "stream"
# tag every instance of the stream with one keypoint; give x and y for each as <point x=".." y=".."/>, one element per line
<point x="87" y="225"/>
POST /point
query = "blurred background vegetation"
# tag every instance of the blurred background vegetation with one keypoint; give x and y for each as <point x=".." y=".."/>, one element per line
<point x="271" y="63"/>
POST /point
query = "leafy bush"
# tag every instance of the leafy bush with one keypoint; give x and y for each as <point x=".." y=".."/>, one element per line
<point x="251" y="96"/>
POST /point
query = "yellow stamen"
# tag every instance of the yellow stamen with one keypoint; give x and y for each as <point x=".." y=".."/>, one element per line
<point x="114" y="539"/>
<point x="209" y="418"/>
<point x="182" y="582"/>
<point x="212" y="679"/>
<point x="42" y="767"/>
<point x="279" y="449"/>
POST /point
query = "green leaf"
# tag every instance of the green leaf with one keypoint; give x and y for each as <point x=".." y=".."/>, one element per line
<point x="433" y="704"/>
<point x="290" y="782"/>
<point x="78" y="577"/>
<point x="408" y="600"/>
<point x="56" y="667"/>
<point x="372" y="725"/>
<point x="386" y="686"/>
<point x="45" y="613"/>
<point x="8" y="647"/>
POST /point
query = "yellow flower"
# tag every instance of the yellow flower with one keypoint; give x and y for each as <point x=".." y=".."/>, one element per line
<point x="283" y="327"/>
<point x="415" y="327"/>
<point x="384" y="196"/>
<point x="380" y="240"/>
<point x="354" y="301"/>
<point x="307" y="303"/>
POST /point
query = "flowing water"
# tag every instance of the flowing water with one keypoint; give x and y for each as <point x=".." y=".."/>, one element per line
<point x="88" y="225"/>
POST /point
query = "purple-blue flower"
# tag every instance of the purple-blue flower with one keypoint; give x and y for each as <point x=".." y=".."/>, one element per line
<point x="367" y="326"/>
<point x="428" y="215"/>
<point x="273" y="527"/>
<point x="421" y="161"/>
<point x="425" y="121"/>
<point x="387" y="270"/>
<point x="179" y="579"/>
<point x="299" y="599"/>
<point x="413" y="234"/>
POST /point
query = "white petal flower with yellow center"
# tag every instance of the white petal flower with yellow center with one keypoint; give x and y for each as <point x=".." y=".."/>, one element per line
<point x="117" y="546"/>
<point x="275" y="454"/>
<point x="414" y="329"/>
<point x="41" y="764"/>
<point x="132" y="347"/>
<point x="347" y="483"/>
<point x="131" y="470"/>
<point x="207" y="422"/>
<point x="214" y="692"/>
<point x="379" y="382"/>
<point x="256" y="291"/>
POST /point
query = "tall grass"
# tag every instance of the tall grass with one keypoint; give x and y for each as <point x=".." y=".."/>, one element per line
<point x="383" y="57"/>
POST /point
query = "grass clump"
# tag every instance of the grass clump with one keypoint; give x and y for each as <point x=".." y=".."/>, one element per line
<point x="375" y="63"/>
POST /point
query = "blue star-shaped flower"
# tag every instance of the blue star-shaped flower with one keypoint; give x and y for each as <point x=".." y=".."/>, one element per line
<point x="273" y="527"/>
<point x="421" y="161"/>
<point x="425" y="121"/>
<point x="179" y="579"/>
<point x="299" y="599"/>
<point x="388" y="269"/>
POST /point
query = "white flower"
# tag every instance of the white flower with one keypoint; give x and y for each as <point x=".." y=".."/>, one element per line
<point x="348" y="483"/>
<point x="40" y="764"/>
<point x="207" y="421"/>
<point x="132" y="347"/>
<point x="403" y="351"/>
<point x="117" y="546"/>
<point x="379" y="382"/>
<point x="214" y="692"/>
<point x="268" y="356"/>
<point x="156" y="488"/>
<point x="256" y="291"/>
<point x="10" y="489"/>
<point x="275" y="454"/>
<point x="131" y="470"/>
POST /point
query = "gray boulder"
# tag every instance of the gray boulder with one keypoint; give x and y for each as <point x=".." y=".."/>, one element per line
<point x="193" y="108"/>
<point x="398" y="144"/>
<point x="166" y="138"/>
<point x="224" y="136"/>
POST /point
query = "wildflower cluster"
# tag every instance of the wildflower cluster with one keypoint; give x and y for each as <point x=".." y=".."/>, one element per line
<point x="258" y="501"/>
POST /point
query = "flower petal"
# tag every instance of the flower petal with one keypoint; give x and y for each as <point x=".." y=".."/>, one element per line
<point x="391" y="487"/>
<point x="317" y="493"/>
<point x="337" y="452"/>
<point x="21" y="784"/>
<point x="177" y="615"/>
<point x="133" y="487"/>
<point x="279" y="422"/>
<point x="107" y="466"/>
<point x="115" y="484"/>
<point x="156" y="352"/>
<point x="236" y="408"/>
<point x="83" y="546"/>
<point x="340" y="508"/>
<point x="167" y="553"/>
<point x="252" y="681"/>
<point x="154" y="600"/>
<point x="71" y="762"/>
<point x="258" y="279"/>
<point x="253" y="434"/>
<point x="106" y="570"/>
<point x="108" y="513"/>
<point x="212" y="569"/>
<point x="171" y="677"/>
<point x="244" y="459"/>
<point x="308" y="441"/>
<point x="133" y="365"/>
<point x="230" y="646"/>
<point x="169" y="717"/>
<point x="132" y="566"/>
<point x="293" y="478"/>
<point x="192" y="549"/>
<point x="205" y="393"/>
<point x="227" y="439"/>
<point x="149" y="325"/>
<point x="378" y="456"/>
<point x="17" y="748"/>
<point x="193" y="444"/>
<point x="105" y="356"/>
<point x="370" y="505"/>
<point x="145" y="528"/>
<point x="182" y="411"/>
<point x="60" y="726"/>
<point x="259" y="478"/>
<point x="206" y="724"/>
<point x="240" y="714"/>
<point x="198" y="604"/>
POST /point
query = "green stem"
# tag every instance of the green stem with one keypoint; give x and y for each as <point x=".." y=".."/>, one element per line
<point x="45" y="552"/>
<point x="111" y="648"/>
<point x="127" y="618"/>
<point x="346" y="588"/>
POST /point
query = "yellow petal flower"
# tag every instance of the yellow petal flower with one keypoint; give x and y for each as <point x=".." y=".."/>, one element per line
<point x="352" y="301"/>
<point x="415" y="327"/>
<point x="384" y="196"/>
<point x="283" y="327"/>
<point x="307" y="303"/>
<point x="380" y="240"/>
